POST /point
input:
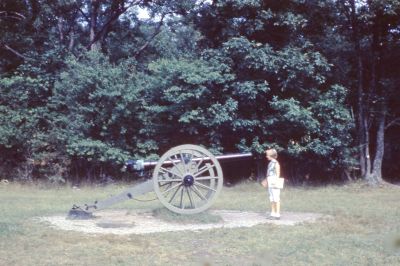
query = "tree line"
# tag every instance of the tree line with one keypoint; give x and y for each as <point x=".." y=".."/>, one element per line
<point x="87" y="84"/>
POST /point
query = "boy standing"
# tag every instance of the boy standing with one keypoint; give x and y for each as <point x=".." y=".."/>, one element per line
<point x="273" y="173"/>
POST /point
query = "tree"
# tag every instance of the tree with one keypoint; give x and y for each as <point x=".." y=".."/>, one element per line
<point x="279" y="82"/>
<point x="97" y="114"/>
<point x="372" y="27"/>
<point x="87" y="84"/>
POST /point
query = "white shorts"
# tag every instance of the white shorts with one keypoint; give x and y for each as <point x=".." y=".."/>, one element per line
<point x="274" y="194"/>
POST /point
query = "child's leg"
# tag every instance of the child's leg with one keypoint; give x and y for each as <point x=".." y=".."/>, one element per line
<point x="273" y="208"/>
<point x="278" y="202"/>
<point x="278" y="208"/>
<point x="271" y="199"/>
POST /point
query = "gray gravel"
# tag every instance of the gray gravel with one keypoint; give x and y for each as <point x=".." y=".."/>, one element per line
<point x="119" y="222"/>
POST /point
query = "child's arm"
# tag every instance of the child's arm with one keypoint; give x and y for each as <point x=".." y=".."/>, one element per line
<point x="264" y="183"/>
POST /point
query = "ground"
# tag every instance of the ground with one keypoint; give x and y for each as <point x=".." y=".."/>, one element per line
<point x="364" y="229"/>
<point x="124" y="222"/>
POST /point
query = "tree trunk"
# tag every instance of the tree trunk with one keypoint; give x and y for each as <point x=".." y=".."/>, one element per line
<point x="94" y="9"/>
<point x="60" y="29"/>
<point x="368" y="176"/>
<point x="71" y="40"/>
<point x="378" y="40"/>
<point x="377" y="94"/>
<point x="362" y="121"/>
<point x="362" y="129"/>
<point x="380" y="147"/>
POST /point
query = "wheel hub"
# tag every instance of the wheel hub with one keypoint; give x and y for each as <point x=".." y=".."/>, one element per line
<point x="188" y="180"/>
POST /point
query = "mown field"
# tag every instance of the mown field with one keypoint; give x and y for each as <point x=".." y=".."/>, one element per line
<point x="364" y="230"/>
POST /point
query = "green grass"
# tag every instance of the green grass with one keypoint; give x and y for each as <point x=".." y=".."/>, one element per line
<point x="364" y="230"/>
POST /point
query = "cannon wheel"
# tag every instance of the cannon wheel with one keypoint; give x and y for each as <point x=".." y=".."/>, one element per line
<point x="187" y="179"/>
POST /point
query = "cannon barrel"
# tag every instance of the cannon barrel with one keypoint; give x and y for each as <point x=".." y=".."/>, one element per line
<point x="139" y="165"/>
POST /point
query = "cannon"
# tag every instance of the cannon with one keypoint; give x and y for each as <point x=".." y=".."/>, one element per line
<point x="186" y="179"/>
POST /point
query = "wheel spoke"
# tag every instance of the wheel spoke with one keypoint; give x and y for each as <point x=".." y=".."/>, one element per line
<point x="200" y="162"/>
<point x="176" y="166"/>
<point x="203" y="169"/>
<point x="169" y="184"/>
<point x="192" y="157"/>
<point x="198" y="192"/>
<point x="204" y="186"/>
<point x="190" y="198"/>
<point x="170" y="180"/>
<point x="176" y="192"/>
<point x="183" y="162"/>
<point x="171" y="188"/>
<point x="183" y="188"/>
<point x="169" y="171"/>
<point x="207" y="177"/>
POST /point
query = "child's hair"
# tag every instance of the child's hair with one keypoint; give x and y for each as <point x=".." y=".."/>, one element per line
<point x="272" y="153"/>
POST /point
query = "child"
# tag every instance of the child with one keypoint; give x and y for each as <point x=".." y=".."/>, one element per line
<point x="273" y="172"/>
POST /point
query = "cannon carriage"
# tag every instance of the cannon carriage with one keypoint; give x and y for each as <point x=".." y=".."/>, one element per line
<point x="187" y="179"/>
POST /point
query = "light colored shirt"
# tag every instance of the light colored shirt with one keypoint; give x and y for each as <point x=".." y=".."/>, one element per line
<point x="271" y="170"/>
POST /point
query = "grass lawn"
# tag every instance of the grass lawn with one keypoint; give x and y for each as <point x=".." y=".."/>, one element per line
<point x="365" y="230"/>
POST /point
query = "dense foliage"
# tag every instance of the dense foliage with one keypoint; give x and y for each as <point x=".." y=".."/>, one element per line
<point x="86" y="85"/>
